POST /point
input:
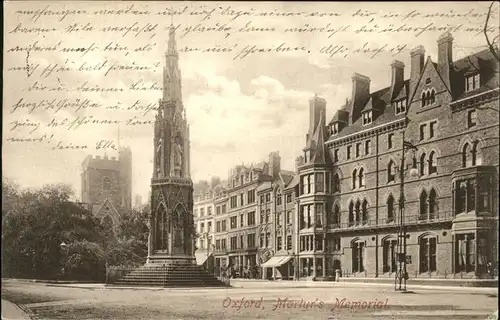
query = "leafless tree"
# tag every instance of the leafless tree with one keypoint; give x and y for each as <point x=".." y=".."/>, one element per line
<point x="491" y="43"/>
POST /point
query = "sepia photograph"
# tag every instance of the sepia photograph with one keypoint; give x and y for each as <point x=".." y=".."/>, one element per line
<point x="250" y="160"/>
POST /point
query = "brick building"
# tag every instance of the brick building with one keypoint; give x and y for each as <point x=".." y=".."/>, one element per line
<point x="447" y="109"/>
<point x="341" y="209"/>
<point x="239" y="237"/>
<point x="318" y="250"/>
<point x="204" y="212"/>
<point x="107" y="185"/>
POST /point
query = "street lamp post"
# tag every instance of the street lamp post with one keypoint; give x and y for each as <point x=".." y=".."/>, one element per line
<point x="401" y="274"/>
<point x="63" y="247"/>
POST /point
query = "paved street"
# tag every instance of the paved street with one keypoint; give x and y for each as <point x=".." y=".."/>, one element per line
<point x="249" y="301"/>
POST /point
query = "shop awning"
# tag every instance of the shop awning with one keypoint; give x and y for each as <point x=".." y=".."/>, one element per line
<point x="201" y="257"/>
<point x="276" y="262"/>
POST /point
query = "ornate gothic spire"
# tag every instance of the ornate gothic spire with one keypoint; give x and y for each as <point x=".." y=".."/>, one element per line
<point x="172" y="45"/>
<point x="171" y="73"/>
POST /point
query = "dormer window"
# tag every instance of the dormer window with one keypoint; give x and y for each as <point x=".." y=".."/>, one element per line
<point x="335" y="128"/>
<point x="472" y="82"/>
<point x="367" y="117"/>
<point x="400" y="106"/>
<point x="428" y="97"/>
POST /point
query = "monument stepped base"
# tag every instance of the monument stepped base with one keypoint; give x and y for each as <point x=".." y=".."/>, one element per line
<point x="161" y="260"/>
<point x="177" y="274"/>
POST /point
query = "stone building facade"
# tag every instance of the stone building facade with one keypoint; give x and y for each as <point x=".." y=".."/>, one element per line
<point x="204" y="212"/>
<point x="340" y="211"/>
<point x="107" y="185"/>
<point x="449" y="110"/>
<point x="244" y="217"/>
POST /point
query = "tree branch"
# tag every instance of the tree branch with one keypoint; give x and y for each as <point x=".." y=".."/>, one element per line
<point x="490" y="45"/>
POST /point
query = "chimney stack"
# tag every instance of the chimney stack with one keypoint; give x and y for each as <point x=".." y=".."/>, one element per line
<point x="417" y="65"/>
<point x="274" y="164"/>
<point x="214" y="182"/>
<point x="360" y="95"/>
<point x="317" y="106"/>
<point x="445" y="56"/>
<point x="397" y="79"/>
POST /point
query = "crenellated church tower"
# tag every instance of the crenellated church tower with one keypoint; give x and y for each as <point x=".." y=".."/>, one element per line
<point x="172" y="227"/>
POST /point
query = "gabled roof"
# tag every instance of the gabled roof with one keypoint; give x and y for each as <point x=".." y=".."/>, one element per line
<point x="403" y="93"/>
<point x="380" y="100"/>
<point x="292" y="183"/>
<point x="264" y="186"/>
<point x="260" y="166"/>
<point x="285" y="176"/>
<point x="106" y="208"/>
<point x="482" y="62"/>
<point x="344" y="108"/>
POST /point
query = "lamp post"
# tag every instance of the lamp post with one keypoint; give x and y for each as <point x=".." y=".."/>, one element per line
<point x="63" y="247"/>
<point x="401" y="274"/>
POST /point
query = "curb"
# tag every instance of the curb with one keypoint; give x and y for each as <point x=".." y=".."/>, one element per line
<point x="22" y="311"/>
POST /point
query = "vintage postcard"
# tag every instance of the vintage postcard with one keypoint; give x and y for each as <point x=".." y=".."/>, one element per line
<point x="243" y="160"/>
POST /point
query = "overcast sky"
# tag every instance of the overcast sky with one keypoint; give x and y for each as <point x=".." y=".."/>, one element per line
<point x="238" y="110"/>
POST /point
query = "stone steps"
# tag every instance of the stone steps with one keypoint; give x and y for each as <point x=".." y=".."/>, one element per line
<point x="170" y="276"/>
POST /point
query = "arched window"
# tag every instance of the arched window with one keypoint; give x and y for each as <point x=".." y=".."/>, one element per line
<point x="361" y="177"/>
<point x="423" y="205"/>
<point x="351" y="214"/>
<point x="466" y="156"/>
<point x="365" y="211"/>
<point x="432" y="204"/>
<point x="390" y="209"/>
<point x="422" y="164"/>
<point x="278" y="197"/>
<point x="336" y="183"/>
<point x="336" y="215"/>
<point x="354" y="177"/>
<point x="432" y="162"/>
<point x="107" y="222"/>
<point x="477" y="158"/>
<point x="391" y="171"/>
<point x="428" y="97"/>
<point x="106" y="184"/>
<point x="358" y="212"/>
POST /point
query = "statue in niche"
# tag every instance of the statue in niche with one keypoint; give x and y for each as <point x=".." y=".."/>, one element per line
<point x="178" y="152"/>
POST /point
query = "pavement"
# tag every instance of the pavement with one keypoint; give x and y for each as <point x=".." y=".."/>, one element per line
<point x="96" y="301"/>
<point x="244" y="283"/>
<point x="11" y="311"/>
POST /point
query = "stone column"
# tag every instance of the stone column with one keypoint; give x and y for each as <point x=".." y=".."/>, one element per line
<point x="169" y="236"/>
<point x="150" y="244"/>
